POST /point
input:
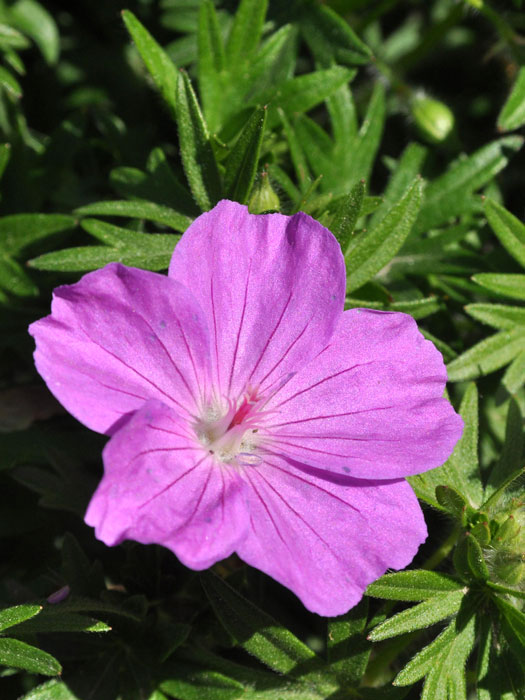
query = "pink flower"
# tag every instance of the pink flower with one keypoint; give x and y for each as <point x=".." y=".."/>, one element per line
<point x="247" y="412"/>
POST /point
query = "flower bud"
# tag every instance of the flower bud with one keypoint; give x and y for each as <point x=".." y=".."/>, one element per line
<point x="509" y="567"/>
<point x="508" y="530"/>
<point x="433" y="118"/>
<point x="263" y="198"/>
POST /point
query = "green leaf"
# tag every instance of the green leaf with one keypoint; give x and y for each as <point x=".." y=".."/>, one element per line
<point x="419" y="308"/>
<point x="413" y="585"/>
<point x="475" y="558"/>
<point x="12" y="38"/>
<point x="10" y="83"/>
<point x="451" y="194"/>
<point x="17" y="614"/>
<point x="241" y="164"/>
<point x="407" y="169"/>
<point x="347" y="647"/>
<point x="211" y="60"/>
<point x="462" y="467"/>
<point x="194" y="683"/>
<point x="138" y="210"/>
<point x="84" y="258"/>
<point x="512" y="114"/>
<point x="508" y="228"/>
<point x="245" y="33"/>
<point x="302" y="171"/>
<point x="16" y="654"/>
<point x="514" y="376"/>
<point x="373" y="251"/>
<point x="513" y="628"/>
<point x="346" y="215"/>
<point x="330" y="38"/>
<point x="510" y="285"/>
<point x="14" y="279"/>
<point x="446" y="655"/>
<point x="196" y="150"/>
<point x="32" y="19"/>
<point x="439" y="607"/>
<point x="254" y="630"/>
<point x="358" y="157"/>
<point x="52" y="690"/>
<point x="157" y="61"/>
<point x="5" y="155"/>
<point x="300" y="94"/>
<point x="453" y="502"/>
<point x="510" y="460"/>
<point x="497" y="315"/>
<point x="20" y="230"/>
<point x="488" y="355"/>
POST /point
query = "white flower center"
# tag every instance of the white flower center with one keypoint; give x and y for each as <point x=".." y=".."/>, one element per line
<point x="232" y="435"/>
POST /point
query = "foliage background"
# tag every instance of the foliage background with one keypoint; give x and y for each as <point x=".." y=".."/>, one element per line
<point x="396" y="123"/>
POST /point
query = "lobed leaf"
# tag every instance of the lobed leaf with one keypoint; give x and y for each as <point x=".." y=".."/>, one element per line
<point x="241" y="164"/>
<point x="198" y="158"/>
<point x="412" y="585"/>
<point x="451" y="194"/>
<point x="159" y="64"/>
<point x="439" y="607"/>
<point x="373" y="251"/>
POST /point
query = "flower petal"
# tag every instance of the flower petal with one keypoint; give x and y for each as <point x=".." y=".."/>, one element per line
<point x="271" y="286"/>
<point x="327" y="541"/>
<point x="370" y="405"/>
<point x="119" y="337"/>
<point x="160" y="486"/>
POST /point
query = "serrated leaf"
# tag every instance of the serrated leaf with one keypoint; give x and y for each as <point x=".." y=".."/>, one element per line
<point x="462" y="467"/>
<point x="241" y="164"/>
<point x="451" y="194"/>
<point x="373" y="251"/>
<point x="412" y="585"/>
<point x="510" y="285"/>
<point x="439" y="607"/>
<point x="138" y="210"/>
<point x="245" y="33"/>
<point x="20" y="230"/>
<point x="196" y="150"/>
<point x="508" y="228"/>
<point x="300" y="94"/>
<point x="254" y="630"/>
<point x="497" y="315"/>
<point x="17" y="654"/>
<point x="157" y="61"/>
<point x="33" y="20"/>
<point x="17" y="614"/>
<point x="512" y="114"/>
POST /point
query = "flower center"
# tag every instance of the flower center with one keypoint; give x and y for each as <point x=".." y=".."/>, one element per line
<point x="231" y="435"/>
